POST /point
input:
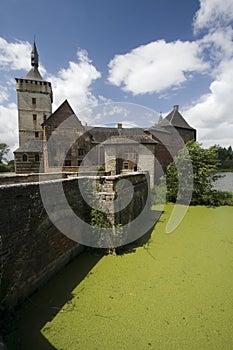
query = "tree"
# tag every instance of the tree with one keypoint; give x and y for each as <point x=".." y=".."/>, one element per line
<point x="4" y="149"/>
<point x="5" y="165"/>
<point x="197" y="176"/>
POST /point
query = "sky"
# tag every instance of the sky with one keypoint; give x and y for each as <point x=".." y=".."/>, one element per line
<point x="152" y="53"/>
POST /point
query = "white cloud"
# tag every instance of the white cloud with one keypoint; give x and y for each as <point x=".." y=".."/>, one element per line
<point x="156" y="66"/>
<point x="218" y="45"/>
<point x="3" y="94"/>
<point x="14" y="56"/>
<point x="74" y="83"/>
<point x="9" y="126"/>
<point x="213" y="13"/>
<point x="212" y="114"/>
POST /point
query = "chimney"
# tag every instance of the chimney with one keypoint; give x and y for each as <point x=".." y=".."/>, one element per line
<point x="176" y="107"/>
<point x="119" y="126"/>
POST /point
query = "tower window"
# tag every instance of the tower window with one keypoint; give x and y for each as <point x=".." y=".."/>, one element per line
<point x="36" y="134"/>
<point x="45" y="117"/>
<point x="37" y="158"/>
<point x="34" y="117"/>
<point x="126" y="165"/>
<point x="81" y="152"/>
<point x="33" y="101"/>
<point x="25" y="158"/>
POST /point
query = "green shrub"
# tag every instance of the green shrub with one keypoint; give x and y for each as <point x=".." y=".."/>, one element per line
<point x="221" y="198"/>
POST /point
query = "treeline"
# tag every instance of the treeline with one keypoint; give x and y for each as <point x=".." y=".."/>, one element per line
<point x="225" y="156"/>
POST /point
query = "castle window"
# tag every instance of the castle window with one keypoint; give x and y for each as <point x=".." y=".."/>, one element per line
<point x="79" y="162"/>
<point x="25" y="158"/>
<point x="34" y="117"/>
<point x="126" y="165"/>
<point x="37" y="158"/>
<point x="36" y="134"/>
<point x="45" y="117"/>
<point x="33" y="101"/>
<point x="81" y="152"/>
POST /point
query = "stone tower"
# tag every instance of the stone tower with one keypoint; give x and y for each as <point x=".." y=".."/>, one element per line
<point x="35" y="98"/>
<point x="34" y="101"/>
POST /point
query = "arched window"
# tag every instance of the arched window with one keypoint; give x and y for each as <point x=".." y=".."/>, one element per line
<point x="25" y="158"/>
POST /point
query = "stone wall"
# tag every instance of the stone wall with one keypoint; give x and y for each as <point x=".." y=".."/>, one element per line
<point x="131" y="217"/>
<point x="32" y="249"/>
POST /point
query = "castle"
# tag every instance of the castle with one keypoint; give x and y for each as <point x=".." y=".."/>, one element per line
<point x="77" y="148"/>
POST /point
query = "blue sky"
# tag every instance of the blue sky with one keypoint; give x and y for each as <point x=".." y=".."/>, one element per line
<point x="152" y="53"/>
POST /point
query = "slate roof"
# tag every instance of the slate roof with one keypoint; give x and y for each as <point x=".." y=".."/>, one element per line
<point x="31" y="146"/>
<point x="33" y="74"/>
<point x="103" y="134"/>
<point x="157" y="129"/>
<point x="174" y="118"/>
<point x="100" y="134"/>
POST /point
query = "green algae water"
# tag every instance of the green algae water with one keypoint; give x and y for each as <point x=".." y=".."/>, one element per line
<point x="175" y="292"/>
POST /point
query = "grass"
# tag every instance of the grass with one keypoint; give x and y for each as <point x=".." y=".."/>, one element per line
<point x="173" y="293"/>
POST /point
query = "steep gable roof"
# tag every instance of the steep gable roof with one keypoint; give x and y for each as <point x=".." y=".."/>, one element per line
<point x="174" y="118"/>
<point x="62" y="113"/>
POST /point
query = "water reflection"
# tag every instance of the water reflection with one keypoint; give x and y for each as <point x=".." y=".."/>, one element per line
<point x="225" y="183"/>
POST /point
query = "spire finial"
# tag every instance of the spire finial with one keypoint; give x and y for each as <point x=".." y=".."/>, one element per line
<point x="34" y="56"/>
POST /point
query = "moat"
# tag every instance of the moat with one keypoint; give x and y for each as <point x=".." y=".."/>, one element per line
<point x="174" y="292"/>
